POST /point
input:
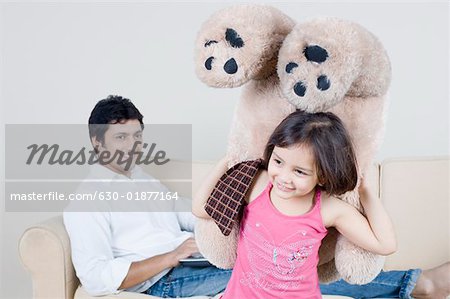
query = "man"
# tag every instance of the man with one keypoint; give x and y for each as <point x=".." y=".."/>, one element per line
<point x="135" y="251"/>
<point x="140" y="251"/>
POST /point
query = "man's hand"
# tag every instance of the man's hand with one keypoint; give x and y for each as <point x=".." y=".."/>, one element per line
<point x="186" y="249"/>
<point x="142" y="270"/>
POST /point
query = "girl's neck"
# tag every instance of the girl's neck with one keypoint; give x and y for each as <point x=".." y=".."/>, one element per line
<point x="295" y="206"/>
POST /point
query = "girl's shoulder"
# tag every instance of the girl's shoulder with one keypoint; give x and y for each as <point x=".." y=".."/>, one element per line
<point x="258" y="185"/>
<point x="327" y="199"/>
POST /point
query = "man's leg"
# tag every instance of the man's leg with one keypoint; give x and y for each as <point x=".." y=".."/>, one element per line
<point x="191" y="281"/>
<point x="428" y="284"/>
<point x="389" y="284"/>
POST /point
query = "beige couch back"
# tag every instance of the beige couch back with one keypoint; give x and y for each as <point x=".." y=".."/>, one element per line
<point x="414" y="191"/>
<point x="416" y="195"/>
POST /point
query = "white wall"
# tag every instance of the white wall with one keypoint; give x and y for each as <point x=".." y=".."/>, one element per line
<point x="58" y="59"/>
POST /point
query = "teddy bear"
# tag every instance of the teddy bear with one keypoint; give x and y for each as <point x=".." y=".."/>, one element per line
<point x="324" y="64"/>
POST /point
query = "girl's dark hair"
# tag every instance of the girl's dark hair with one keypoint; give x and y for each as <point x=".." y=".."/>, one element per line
<point x="112" y="110"/>
<point x="329" y="142"/>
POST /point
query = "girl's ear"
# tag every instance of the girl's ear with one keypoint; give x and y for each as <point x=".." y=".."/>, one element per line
<point x="321" y="181"/>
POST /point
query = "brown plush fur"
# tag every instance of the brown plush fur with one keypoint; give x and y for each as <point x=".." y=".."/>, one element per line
<point x="359" y="72"/>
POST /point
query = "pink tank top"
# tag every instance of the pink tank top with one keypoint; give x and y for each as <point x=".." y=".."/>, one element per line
<point x="277" y="254"/>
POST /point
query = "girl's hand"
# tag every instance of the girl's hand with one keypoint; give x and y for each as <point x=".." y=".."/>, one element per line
<point x="202" y="195"/>
<point x="368" y="190"/>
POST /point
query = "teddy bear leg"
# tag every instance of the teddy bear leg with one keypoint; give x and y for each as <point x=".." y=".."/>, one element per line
<point x="328" y="272"/>
<point x="220" y="250"/>
<point x="356" y="265"/>
<point x="327" y="269"/>
<point x="328" y="246"/>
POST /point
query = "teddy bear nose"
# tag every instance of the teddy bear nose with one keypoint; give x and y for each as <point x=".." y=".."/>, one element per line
<point x="299" y="89"/>
<point x="230" y="66"/>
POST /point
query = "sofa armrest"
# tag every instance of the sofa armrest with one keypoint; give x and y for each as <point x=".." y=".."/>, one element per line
<point x="45" y="252"/>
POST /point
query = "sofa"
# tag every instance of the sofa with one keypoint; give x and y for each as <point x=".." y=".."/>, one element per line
<point x="414" y="191"/>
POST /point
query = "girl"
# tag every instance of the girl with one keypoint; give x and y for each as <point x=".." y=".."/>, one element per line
<point x="310" y="161"/>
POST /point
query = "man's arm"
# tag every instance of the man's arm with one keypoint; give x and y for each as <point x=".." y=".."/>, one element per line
<point x="142" y="270"/>
<point x="186" y="220"/>
<point x="90" y="240"/>
<point x="99" y="271"/>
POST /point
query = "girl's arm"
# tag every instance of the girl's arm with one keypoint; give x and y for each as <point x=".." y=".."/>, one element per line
<point x="375" y="234"/>
<point x="202" y="195"/>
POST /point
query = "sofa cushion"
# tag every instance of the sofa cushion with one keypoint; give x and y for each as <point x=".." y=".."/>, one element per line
<point x="416" y="195"/>
<point x="81" y="294"/>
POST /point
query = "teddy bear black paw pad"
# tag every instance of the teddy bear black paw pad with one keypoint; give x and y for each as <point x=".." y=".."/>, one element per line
<point x="210" y="42"/>
<point x="230" y="66"/>
<point x="315" y="54"/>
<point x="290" y="66"/>
<point x="233" y="38"/>
<point x="323" y="83"/>
<point x="299" y="89"/>
<point x="208" y="63"/>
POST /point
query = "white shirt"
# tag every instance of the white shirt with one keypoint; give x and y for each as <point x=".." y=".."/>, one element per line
<point x="104" y="244"/>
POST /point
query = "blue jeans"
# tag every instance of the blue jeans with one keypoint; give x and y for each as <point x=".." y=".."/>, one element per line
<point x="390" y="284"/>
<point x="185" y="281"/>
<point x="192" y="281"/>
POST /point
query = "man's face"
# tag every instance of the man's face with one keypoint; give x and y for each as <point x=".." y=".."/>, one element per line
<point x="121" y="137"/>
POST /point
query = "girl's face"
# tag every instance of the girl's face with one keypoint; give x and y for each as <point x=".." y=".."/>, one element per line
<point x="292" y="171"/>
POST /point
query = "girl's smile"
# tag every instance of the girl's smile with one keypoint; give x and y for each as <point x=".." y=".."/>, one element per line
<point x="283" y="188"/>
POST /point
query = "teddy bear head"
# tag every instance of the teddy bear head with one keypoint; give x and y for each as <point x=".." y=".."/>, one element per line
<point x="325" y="59"/>
<point x="240" y="43"/>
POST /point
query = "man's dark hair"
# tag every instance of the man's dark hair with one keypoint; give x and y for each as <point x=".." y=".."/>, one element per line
<point x="112" y="110"/>
<point x="329" y="142"/>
